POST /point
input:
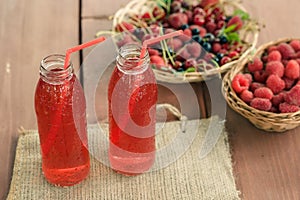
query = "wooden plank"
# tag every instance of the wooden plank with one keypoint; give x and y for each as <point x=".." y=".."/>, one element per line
<point x="101" y="9"/>
<point x="29" y="31"/>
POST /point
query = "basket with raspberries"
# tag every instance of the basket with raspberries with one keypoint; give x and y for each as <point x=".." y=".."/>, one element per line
<point x="266" y="87"/>
<point x="217" y="35"/>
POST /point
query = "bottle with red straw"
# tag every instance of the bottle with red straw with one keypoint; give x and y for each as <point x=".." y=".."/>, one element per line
<point x="132" y="97"/>
<point x="60" y="110"/>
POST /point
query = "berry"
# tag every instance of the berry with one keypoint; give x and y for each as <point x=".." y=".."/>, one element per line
<point x="255" y="65"/>
<point x="176" y="20"/>
<point x="261" y="104"/>
<point x="189" y="14"/>
<point x="190" y="63"/>
<point x="210" y="26"/>
<point x="199" y="11"/>
<point x="199" y="20"/>
<point x="286" y="50"/>
<point x="240" y="83"/>
<point x="216" y="47"/>
<point x="288" y="82"/>
<point x="249" y="77"/>
<point x="292" y="69"/>
<point x="236" y="21"/>
<point x="175" y="6"/>
<point x="295" y="44"/>
<point x="233" y="54"/>
<point x="194" y="49"/>
<point x="288" y="108"/>
<point x="263" y="92"/>
<point x="225" y="60"/>
<point x="220" y="24"/>
<point x="175" y="44"/>
<point x="184" y="54"/>
<point x="293" y="96"/>
<point x="223" y="39"/>
<point x="275" y="83"/>
<point x="275" y="67"/>
<point x="184" y="26"/>
<point x="186" y="36"/>
<point x="272" y="48"/>
<point x="256" y="85"/>
<point x="246" y="96"/>
<point x="277" y="99"/>
<point x="274" y="56"/>
<point x="207" y="46"/>
<point x="157" y="60"/>
<point x="260" y="76"/>
<point x="195" y="31"/>
<point x="209" y="37"/>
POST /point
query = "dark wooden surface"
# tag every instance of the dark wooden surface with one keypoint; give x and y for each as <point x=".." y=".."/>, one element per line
<point x="266" y="166"/>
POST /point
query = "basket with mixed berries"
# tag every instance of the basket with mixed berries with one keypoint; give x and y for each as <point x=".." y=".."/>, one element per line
<point x="217" y="35"/>
<point x="266" y="87"/>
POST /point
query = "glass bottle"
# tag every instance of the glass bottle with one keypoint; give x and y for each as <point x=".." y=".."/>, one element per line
<point x="132" y="97"/>
<point x="61" y="116"/>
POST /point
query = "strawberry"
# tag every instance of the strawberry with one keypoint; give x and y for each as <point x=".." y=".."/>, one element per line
<point x="124" y="26"/>
<point x="157" y="60"/>
<point x="207" y="3"/>
<point x="237" y="21"/>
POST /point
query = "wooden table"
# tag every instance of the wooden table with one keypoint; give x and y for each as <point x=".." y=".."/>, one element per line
<point x="266" y="166"/>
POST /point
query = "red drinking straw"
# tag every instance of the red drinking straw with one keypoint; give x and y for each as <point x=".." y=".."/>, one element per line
<point x="79" y="47"/>
<point x="57" y="119"/>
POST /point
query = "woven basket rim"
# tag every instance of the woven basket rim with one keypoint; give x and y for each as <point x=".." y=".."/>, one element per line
<point x="192" y="76"/>
<point x="246" y="110"/>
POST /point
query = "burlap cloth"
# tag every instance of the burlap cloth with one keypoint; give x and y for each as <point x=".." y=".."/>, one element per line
<point x="189" y="177"/>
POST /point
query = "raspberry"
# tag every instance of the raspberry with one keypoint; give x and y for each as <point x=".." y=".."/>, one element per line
<point x="237" y="21"/>
<point x="274" y="56"/>
<point x="286" y="50"/>
<point x="185" y="54"/>
<point x="240" y="83"/>
<point x="295" y="44"/>
<point x="275" y="83"/>
<point x="263" y="92"/>
<point x="272" y="48"/>
<point x="194" y="49"/>
<point x="246" y="96"/>
<point x="186" y="36"/>
<point x="175" y="44"/>
<point x="157" y="60"/>
<point x="288" y="108"/>
<point x="260" y="76"/>
<point x="293" y="96"/>
<point x="176" y="20"/>
<point x="255" y="65"/>
<point x="298" y="60"/>
<point x="288" y="82"/>
<point x="274" y="109"/>
<point x="292" y="70"/>
<point x="261" y="104"/>
<point x="277" y="99"/>
<point x="249" y="77"/>
<point x="256" y="85"/>
<point x="275" y="67"/>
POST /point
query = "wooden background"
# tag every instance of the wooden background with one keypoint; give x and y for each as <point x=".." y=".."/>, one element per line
<point x="266" y="165"/>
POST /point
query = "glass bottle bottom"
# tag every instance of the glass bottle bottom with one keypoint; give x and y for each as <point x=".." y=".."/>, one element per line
<point x="66" y="176"/>
<point x="132" y="165"/>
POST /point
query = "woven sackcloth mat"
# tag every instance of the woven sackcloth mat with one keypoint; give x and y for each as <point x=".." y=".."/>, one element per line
<point x="189" y="177"/>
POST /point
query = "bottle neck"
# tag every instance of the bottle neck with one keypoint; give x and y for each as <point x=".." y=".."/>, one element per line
<point x="52" y="69"/>
<point x="129" y="60"/>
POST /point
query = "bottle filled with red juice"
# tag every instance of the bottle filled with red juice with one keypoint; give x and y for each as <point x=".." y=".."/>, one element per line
<point x="61" y="116"/>
<point x="132" y="96"/>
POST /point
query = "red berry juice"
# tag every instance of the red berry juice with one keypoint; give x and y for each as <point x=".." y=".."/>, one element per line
<point x="132" y="97"/>
<point x="60" y="109"/>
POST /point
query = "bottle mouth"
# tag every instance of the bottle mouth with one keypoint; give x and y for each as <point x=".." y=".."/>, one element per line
<point x="129" y="59"/>
<point x="52" y="69"/>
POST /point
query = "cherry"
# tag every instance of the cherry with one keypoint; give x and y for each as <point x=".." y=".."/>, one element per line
<point x="199" y="20"/>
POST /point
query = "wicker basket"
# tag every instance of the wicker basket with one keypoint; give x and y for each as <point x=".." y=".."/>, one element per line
<point x="268" y="121"/>
<point x="249" y="35"/>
